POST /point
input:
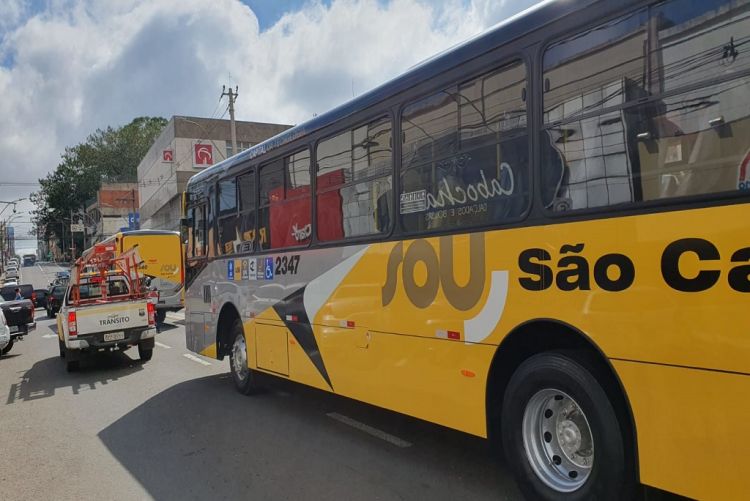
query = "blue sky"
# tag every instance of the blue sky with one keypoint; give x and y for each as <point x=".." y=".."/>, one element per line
<point x="68" y="67"/>
<point x="270" y="11"/>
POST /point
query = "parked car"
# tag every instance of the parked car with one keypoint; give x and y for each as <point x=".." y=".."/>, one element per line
<point x="8" y="283"/>
<point x="41" y="298"/>
<point x="4" y="334"/>
<point x="54" y="299"/>
<point x="19" y="315"/>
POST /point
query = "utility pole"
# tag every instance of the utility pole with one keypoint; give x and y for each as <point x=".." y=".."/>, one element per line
<point x="232" y="97"/>
<point x="72" y="239"/>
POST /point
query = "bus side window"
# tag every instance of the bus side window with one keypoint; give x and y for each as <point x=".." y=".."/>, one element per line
<point x="246" y="220"/>
<point x="226" y="225"/>
<point x="618" y="129"/>
<point x="355" y="182"/>
<point x="285" y="213"/>
<point x="199" y="230"/>
<point x="465" y="154"/>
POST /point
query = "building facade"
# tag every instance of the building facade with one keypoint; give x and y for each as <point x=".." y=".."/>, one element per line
<point x="111" y="210"/>
<point x="186" y="146"/>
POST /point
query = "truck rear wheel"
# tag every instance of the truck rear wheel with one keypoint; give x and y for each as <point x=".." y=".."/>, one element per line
<point x="561" y="434"/>
<point x="144" y="353"/>
<point x="243" y="377"/>
<point x="7" y="348"/>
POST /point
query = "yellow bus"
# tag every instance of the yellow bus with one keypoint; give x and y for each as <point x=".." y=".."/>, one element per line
<point x="540" y="237"/>
<point x="162" y="255"/>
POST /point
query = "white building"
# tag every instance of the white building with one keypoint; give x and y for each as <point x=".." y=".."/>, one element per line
<point x="186" y="146"/>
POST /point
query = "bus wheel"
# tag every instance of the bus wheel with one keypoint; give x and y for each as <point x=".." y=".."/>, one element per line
<point x="161" y="315"/>
<point x="561" y="434"/>
<point x="244" y="379"/>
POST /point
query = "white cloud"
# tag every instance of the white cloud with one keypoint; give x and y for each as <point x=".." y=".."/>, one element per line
<point x="83" y="64"/>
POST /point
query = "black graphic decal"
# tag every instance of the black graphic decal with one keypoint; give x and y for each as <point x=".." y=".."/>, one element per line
<point x="292" y="311"/>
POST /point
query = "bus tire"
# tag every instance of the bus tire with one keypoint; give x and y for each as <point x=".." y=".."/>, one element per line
<point x="243" y="377"/>
<point x="62" y="348"/>
<point x="8" y="347"/>
<point x="161" y="316"/>
<point x="561" y="434"/>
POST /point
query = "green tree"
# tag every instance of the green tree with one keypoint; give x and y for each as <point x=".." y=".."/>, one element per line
<point x="108" y="155"/>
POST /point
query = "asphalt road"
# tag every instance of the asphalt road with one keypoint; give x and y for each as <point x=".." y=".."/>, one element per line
<point x="174" y="428"/>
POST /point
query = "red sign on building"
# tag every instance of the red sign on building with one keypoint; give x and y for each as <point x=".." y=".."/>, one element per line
<point x="203" y="155"/>
<point x="167" y="156"/>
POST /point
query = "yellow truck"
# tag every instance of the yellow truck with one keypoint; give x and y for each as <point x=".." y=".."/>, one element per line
<point x="161" y="254"/>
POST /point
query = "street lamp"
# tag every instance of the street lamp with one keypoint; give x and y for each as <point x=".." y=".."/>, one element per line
<point x="13" y="203"/>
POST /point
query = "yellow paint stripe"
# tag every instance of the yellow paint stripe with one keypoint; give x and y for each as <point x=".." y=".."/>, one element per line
<point x="209" y="351"/>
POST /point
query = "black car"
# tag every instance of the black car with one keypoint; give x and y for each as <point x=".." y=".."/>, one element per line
<point x="41" y="298"/>
<point x="54" y="299"/>
<point x="19" y="315"/>
<point x="8" y="293"/>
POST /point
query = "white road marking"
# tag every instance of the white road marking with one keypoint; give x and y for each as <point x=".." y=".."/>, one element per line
<point x="391" y="439"/>
<point x="161" y="345"/>
<point x="49" y="336"/>
<point x="195" y="359"/>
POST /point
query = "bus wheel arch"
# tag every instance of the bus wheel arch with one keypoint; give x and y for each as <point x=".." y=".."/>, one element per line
<point x="548" y="335"/>
<point x="224" y="338"/>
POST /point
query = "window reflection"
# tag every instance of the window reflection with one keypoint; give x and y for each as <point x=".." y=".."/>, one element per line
<point x="617" y="133"/>
<point x="285" y="217"/>
<point x="465" y="154"/>
<point x="355" y="182"/>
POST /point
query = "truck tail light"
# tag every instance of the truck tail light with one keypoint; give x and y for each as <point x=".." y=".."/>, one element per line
<point x="151" y="313"/>
<point x="33" y="298"/>
<point x="72" y="324"/>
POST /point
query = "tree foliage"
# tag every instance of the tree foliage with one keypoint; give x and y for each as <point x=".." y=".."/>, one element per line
<point x="108" y="155"/>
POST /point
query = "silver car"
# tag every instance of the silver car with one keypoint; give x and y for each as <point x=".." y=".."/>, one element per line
<point x="4" y="334"/>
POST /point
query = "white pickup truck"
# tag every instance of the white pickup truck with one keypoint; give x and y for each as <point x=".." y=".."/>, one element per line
<point x="88" y="323"/>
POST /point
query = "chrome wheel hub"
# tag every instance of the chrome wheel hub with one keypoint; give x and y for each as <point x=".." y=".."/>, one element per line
<point x="239" y="358"/>
<point x="558" y="440"/>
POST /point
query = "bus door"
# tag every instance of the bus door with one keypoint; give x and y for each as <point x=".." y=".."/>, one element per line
<point x="198" y="295"/>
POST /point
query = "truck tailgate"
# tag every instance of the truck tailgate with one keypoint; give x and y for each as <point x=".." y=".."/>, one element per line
<point x="91" y="319"/>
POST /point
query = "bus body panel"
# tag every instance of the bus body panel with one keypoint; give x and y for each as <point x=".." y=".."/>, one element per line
<point x="691" y="428"/>
<point x="403" y="357"/>
<point x="162" y="259"/>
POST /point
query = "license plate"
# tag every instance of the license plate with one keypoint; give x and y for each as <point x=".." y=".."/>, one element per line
<point x="114" y="336"/>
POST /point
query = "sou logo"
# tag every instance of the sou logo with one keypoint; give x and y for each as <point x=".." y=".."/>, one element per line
<point x="439" y="273"/>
